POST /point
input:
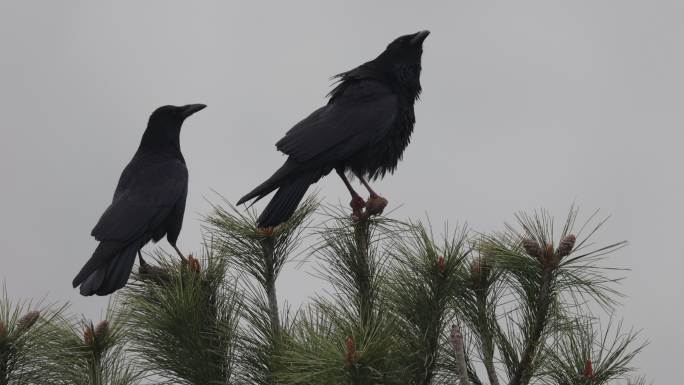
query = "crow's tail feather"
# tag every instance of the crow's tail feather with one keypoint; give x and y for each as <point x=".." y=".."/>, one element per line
<point x="260" y="191"/>
<point x="285" y="201"/>
<point x="108" y="269"/>
<point x="271" y="183"/>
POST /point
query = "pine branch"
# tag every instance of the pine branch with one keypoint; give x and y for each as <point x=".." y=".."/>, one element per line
<point x="486" y="337"/>
<point x="476" y="305"/>
<point x="425" y="278"/>
<point x="520" y="301"/>
<point x="357" y="251"/>
<point x="184" y="328"/>
<point x="270" y="283"/>
<point x="259" y="340"/>
<point x="80" y="353"/>
<point x="352" y="336"/>
<point x="524" y="371"/>
<point x="448" y="371"/>
<point x="354" y="263"/>
<point x="259" y="253"/>
<point x="313" y="353"/>
<point x="544" y="285"/>
<point x="362" y="272"/>
<point x="459" y="354"/>
<point x="26" y="336"/>
<point x="583" y="355"/>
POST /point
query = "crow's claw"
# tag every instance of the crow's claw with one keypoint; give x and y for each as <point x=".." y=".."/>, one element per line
<point x="357" y="204"/>
<point x="375" y="205"/>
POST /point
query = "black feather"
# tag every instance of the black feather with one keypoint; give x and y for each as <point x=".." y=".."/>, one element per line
<point x="112" y="275"/>
<point x="364" y="128"/>
<point x="148" y="203"/>
<point x="285" y="201"/>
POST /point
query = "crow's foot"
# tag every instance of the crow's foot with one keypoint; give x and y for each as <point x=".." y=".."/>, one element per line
<point x="266" y="231"/>
<point x="375" y="205"/>
<point x="357" y="204"/>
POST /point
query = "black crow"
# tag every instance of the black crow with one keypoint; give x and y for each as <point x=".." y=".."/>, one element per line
<point x="148" y="203"/>
<point x="363" y="129"/>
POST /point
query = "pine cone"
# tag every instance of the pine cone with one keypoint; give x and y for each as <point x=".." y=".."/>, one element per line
<point x="193" y="263"/>
<point x="588" y="370"/>
<point x="532" y="248"/>
<point x="88" y="335"/>
<point x="566" y="245"/>
<point x="351" y="351"/>
<point x="550" y="257"/>
<point x="441" y="263"/>
<point x="479" y="273"/>
<point x="267" y="231"/>
<point x="25" y="323"/>
<point x="456" y="336"/>
<point x="101" y="330"/>
<point x="476" y="272"/>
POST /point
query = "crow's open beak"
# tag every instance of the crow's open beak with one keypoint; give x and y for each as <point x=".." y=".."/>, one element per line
<point x="192" y="108"/>
<point x="419" y="37"/>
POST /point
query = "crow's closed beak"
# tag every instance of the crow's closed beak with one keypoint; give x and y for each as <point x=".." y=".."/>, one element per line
<point x="192" y="108"/>
<point x="419" y="37"/>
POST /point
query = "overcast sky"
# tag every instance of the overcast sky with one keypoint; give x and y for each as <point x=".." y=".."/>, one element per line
<point x="525" y="105"/>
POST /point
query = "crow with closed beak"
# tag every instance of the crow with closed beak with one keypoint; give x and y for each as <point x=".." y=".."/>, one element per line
<point x="148" y="203"/>
<point x="363" y="130"/>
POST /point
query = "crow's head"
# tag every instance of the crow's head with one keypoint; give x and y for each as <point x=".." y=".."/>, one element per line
<point x="402" y="57"/>
<point x="173" y="116"/>
<point x="165" y="123"/>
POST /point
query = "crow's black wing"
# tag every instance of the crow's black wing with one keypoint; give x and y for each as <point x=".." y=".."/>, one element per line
<point x="174" y="222"/>
<point x="147" y="192"/>
<point x="364" y="112"/>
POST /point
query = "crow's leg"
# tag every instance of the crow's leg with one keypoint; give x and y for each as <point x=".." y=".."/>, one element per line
<point x="372" y="193"/>
<point x="357" y="203"/>
<point x="179" y="253"/>
<point x="144" y="268"/>
<point x="375" y="204"/>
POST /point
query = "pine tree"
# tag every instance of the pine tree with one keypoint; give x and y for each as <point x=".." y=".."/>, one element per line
<point x="405" y="306"/>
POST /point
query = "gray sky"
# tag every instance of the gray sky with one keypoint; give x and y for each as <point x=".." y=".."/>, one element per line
<point x="525" y="105"/>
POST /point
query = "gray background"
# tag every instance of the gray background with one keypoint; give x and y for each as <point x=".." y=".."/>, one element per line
<point x="525" y="105"/>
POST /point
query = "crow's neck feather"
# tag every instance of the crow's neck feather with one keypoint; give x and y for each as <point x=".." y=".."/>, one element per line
<point x="402" y="81"/>
<point x="164" y="143"/>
